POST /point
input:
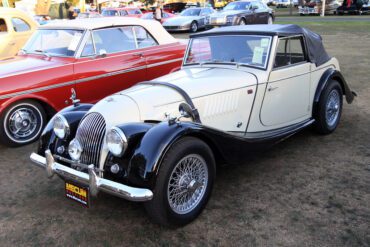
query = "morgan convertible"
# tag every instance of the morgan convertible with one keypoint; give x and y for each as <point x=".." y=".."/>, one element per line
<point x="240" y="89"/>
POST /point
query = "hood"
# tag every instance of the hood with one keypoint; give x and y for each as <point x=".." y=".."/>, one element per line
<point x="24" y="64"/>
<point x="180" y="20"/>
<point x="146" y="102"/>
<point x="227" y="12"/>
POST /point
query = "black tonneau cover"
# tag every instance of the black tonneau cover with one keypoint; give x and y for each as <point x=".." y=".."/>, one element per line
<point x="316" y="50"/>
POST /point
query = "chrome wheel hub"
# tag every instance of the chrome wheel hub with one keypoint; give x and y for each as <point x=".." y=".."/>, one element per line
<point x="22" y="123"/>
<point x="332" y="108"/>
<point x="187" y="184"/>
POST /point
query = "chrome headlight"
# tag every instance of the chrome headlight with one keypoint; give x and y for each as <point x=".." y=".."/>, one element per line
<point x="75" y="149"/>
<point x="116" y="142"/>
<point x="230" y="18"/>
<point x="61" y="126"/>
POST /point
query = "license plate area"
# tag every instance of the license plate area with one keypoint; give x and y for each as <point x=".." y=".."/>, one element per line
<point x="77" y="193"/>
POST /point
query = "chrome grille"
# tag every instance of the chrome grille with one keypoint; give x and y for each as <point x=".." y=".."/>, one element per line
<point x="90" y="134"/>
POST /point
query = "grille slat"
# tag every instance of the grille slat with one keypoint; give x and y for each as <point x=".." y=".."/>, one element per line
<point x="90" y="134"/>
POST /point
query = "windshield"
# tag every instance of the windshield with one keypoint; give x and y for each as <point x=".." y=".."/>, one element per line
<point x="250" y="50"/>
<point x="133" y="12"/>
<point x="237" y="6"/>
<point x="107" y="12"/>
<point x="190" y="12"/>
<point x="51" y="42"/>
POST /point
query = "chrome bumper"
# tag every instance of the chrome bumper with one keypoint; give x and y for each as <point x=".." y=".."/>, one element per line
<point x="90" y="179"/>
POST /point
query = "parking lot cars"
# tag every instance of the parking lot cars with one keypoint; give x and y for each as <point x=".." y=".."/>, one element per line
<point x="314" y="7"/>
<point x="126" y="11"/>
<point x="15" y="28"/>
<point x="95" y="57"/>
<point x="240" y="89"/>
<point x="85" y="15"/>
<point x="191" y="19"/>
<point x="354" y="7"/>
<point x="242" y="13"/>
<point x="150" y="16"/>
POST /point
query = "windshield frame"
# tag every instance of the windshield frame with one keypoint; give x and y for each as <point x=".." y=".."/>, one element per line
<point x="267" y="61"/>
<point x="78" y="48"/>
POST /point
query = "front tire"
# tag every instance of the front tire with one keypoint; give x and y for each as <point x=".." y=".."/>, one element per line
<point x="329" y="108"/>
<point x="242" y="22"/>
<point x="194" y="27"/>
<point x="184" y="183"/>
<point x="21" y="123"/>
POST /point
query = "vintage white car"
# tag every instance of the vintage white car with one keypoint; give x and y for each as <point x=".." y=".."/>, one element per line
<point x="240" y="89"/>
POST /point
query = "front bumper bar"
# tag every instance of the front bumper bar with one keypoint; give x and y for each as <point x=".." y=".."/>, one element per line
<point x="90" y="179"/>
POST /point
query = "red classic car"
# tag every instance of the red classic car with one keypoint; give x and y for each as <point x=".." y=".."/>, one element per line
<point x="94" y="57"/>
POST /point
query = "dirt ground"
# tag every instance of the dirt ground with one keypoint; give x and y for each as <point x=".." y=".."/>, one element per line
<point x="310" y="190"/>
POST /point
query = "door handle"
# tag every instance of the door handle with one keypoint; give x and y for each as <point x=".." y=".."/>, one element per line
<point x="12" y="43"/>
<point x="272" y="88"/>
<point x="140" y="55"/>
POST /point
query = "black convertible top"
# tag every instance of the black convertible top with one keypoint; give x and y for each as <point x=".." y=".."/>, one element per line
<point x="316" y="50"/>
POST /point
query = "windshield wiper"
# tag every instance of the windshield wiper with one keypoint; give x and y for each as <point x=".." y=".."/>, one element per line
<point x="45" y="53"/>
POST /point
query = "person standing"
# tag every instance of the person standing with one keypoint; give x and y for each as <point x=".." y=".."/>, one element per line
<point x="158" y="13"/>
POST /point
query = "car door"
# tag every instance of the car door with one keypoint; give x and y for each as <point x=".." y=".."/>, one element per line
<point x="287" y="94"/>
<point x="263" y="13"/>
<point x="258" y="13"/>
<point x="204" y="13"/>
<point x="108" y="63"/>
<point x="160" y="59"/>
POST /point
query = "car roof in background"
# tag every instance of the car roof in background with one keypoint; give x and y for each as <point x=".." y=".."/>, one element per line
<point x="154" y="27"/>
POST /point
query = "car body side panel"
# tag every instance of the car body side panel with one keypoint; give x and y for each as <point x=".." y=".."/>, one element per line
<point x="105" y="76"/>
<point x="53" y="87"/>
<point x="163" y="59"/>
<point x="287" y="96"/>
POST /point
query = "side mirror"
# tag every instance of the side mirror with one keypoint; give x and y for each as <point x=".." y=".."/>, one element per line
<point x="186" y="111"/>
<point x="102" y="53"/>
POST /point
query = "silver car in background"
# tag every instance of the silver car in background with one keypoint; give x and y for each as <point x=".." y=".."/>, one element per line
<point x="191" y="19"/>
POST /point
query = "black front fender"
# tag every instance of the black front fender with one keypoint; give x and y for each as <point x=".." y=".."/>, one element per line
<point x="73" y="115"/>
<point x="154" y="144"/>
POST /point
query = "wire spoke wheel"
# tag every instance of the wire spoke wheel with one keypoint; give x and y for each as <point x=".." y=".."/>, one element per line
<point x="332" y="107"/>
<point x="187" y="184"/>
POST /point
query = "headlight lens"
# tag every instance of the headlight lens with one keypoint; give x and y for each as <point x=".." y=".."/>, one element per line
<point x="230" y="18"/>
<point x="75" y="149"/>
<point x="61" y="127"/>
<point x="116" y="142"/>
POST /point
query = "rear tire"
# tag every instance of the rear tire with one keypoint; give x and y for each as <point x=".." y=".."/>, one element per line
<point x="21" y="123"/>
<point x="329" y="109"/>
<point x="184" y="183"/>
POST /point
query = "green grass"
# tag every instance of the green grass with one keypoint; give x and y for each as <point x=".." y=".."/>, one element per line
<point x="332" y="26"/>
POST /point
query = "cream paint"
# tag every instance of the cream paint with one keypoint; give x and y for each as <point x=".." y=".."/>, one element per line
<point x="287" y="95"/>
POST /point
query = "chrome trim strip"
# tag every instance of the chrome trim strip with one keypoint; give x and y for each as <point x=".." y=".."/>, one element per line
<point x="94" y="182"/>
<point x="11" y="95"/>
<point x="6" y="96"/>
